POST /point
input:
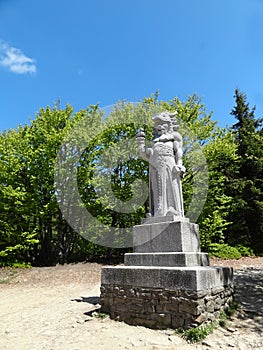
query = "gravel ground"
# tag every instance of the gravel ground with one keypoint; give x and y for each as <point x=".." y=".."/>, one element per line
<point x="50" y="308"/>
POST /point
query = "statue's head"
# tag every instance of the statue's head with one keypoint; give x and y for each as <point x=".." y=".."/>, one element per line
<point x="165" y="122"/>
<point x="162" y="118"/>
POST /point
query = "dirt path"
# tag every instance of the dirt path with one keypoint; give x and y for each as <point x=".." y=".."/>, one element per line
<point x="50" y="308"/>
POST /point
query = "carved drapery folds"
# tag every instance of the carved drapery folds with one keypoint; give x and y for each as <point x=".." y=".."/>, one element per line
<point x="165" y="166"/>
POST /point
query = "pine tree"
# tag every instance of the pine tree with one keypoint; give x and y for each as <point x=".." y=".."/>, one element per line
<point x="247" y="188"/>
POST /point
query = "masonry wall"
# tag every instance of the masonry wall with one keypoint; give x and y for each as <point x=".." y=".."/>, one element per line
<point x="160" y="308"/>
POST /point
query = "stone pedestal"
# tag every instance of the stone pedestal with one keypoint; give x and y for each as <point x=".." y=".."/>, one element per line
<point x="167" y="282"/>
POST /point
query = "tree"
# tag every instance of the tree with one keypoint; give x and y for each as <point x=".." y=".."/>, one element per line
<point x="217" y="152"/>
<point x="17" y="235"/>
<point x="111" y="175"/>
<point x="221" y="155"/>
<point x="43" y="137"/>
<point x="39" y="161"/>
<point x="247" y="184"/>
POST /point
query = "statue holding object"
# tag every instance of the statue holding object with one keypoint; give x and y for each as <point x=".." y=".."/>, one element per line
<point x="165" y="166"/>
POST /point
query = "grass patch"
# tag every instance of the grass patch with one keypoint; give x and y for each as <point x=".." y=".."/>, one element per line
<point x="194" y="335"/>
<point x="232" y="308"/>
<point x="100" y="315"/>
<point x="222" y="319"/>
<point x="5" y="281"/>
<point x="197" y="334"/>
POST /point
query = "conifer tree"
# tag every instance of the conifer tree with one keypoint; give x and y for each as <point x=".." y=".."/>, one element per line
<point x="247" y="186"/>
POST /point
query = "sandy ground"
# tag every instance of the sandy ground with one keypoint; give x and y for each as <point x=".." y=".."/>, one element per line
<point x="50" y="308"/>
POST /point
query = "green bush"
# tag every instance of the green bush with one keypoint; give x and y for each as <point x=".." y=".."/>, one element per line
<point x="16" y="264"/>
<point x="244" y="251"/>
<point x="224" y="251"/>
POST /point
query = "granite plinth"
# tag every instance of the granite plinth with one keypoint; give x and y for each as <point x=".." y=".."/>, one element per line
<point x="158" y="219"/>
<point x="169" y="278"/>
<point x="170" y="236"/>
<point x="166" y="297"/>
<point x="167" y="281"/>
<point x="187" y="259"/>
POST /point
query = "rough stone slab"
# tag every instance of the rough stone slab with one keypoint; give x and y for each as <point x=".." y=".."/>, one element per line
<point x="173" y="278"/>
<point x="174" y="259"/>
<point x="161" y="308"/>
<point x="176" y="236"/>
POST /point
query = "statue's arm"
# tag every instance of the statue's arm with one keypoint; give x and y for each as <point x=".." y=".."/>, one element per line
<point x="179" y="157"/>
<point x="178" y="153"/>
<point x="144" y="151"/>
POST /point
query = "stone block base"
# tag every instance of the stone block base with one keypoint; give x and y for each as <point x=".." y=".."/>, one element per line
<point x="167" y="259"/>
<point x="161" y="308"/>
<point x="171" y="278"/>
<point x="166" y="236"/>
<point x="165" y="297"/>
<point x="166" y="282"/>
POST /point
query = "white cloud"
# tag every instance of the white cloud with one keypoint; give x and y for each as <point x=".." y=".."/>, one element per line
<point x="15" y="60"/>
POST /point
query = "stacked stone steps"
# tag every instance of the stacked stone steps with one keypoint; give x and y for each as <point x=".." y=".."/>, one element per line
<point x="168" y="259"/>
<point x="167" y="281"/>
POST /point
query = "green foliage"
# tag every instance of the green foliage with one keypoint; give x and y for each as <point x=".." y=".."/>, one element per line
<point x="194" y="335"/>
<point x="198" y="130"/>
<point x="214" y="224"/>
<point x="17" y="240"/>
<point x="221" y="154"/>
<point x="244" y="251"/>
<point x="4" y="281"/>
<point x="247" y="187"/>
<point x="225" y="315"/>
<point x="233" y="307"/>
<point x="111" y="178"/>
<point x="100" y="315"/>
<point x="220" y="150"/>
<point x="28" y="204"/>
<point x="222" y="319"/>
<point x="223" y="251"/>
<point x="15" y="264"/>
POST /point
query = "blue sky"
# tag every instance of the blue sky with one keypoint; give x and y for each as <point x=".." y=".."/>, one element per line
<point x="101" y="51"/>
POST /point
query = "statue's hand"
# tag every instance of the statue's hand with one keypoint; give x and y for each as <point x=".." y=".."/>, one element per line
<point x="140" y="138"/>
<point x="180" y="169"/>
<point x="140" y="134"/>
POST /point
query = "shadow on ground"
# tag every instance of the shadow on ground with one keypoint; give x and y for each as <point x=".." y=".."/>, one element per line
<point x="94" y="300"/>
<point x="249" y="293"/>
<point x="90" y="300"/>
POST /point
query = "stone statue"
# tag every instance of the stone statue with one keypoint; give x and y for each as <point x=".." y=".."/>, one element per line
<point x="165" y="166"/>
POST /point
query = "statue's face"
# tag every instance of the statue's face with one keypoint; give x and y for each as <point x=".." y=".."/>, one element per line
<point x="161" y="129"/>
